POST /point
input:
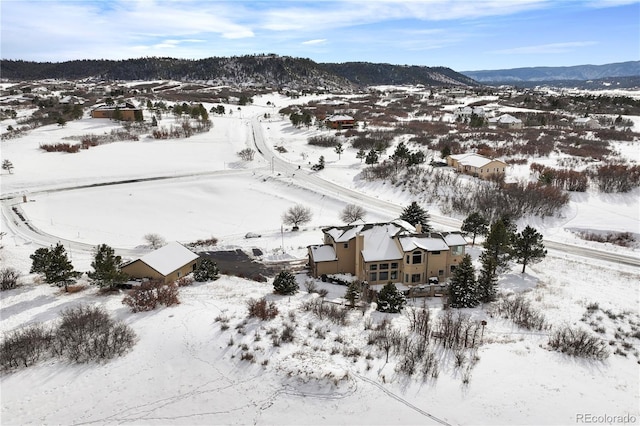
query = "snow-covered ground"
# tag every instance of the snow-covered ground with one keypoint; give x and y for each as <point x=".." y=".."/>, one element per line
<point x="185" y="369"/>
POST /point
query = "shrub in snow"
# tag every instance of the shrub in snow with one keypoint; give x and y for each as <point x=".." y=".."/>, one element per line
<point x="150" y="294"/>
<point x="85" y="333"/>
<point x="89" y="333"/>
<point x="457" y="331"/>
<point x="579" y="343"/>
<point x="390" y="299"/>
<point x="285" y="283"/>
<point x="520" y="311"/>
<point x="261" y="309"/>
<point x="8" y="278"/>
<point x="207" y="270"/>
<point x="335" y="313"/>
<point x="24" y="347"/>
<point x="185" y="281"/>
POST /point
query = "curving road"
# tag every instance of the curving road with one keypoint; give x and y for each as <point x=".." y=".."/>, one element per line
<point x="19" y="224"/>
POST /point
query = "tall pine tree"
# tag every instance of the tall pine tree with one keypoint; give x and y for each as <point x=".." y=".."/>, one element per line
<point x="285" y="283"/>
<point x="390" y="299"/>
<point x="106" y="268"/>
<point x="528" y="247"/>
<point x="475" y="224"/>
<point x="488" y="279"/>
<point x="54" y="264"/>
<point x="497" y="245"/>
<point x="416" y="215"/>
<point x="463" y="289"/>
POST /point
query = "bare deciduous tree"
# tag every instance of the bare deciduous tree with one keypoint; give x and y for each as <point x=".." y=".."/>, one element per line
<point x="352" y="213"/>
<point x="297" y="215"/>
<point x="155" y="241"/>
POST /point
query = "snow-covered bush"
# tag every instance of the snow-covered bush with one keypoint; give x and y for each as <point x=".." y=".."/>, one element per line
<point x="207" y="270"/>
<point x="150" y="294"/>
<point x="8" y="278"/>
<point x="578" y="342"/>
<point x="261" y="309"/>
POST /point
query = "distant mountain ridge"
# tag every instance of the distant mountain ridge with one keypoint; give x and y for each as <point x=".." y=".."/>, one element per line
<point x="264" y="70"/>
<point x="549" y="74"/>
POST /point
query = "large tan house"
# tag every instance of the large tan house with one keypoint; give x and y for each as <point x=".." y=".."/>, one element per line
<point x="341" y="121"/>
<point x="379" y="253"/>
<point x="124" y="111"/>
<point x="167" y="263"/>
<point x="476" y="165"/>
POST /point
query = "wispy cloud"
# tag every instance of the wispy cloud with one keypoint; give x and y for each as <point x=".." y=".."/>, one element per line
<point x="315" y="42"/>
<point x="545" y="48"/>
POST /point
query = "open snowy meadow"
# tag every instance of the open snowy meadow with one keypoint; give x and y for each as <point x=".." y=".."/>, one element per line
<point x="205" y="362"/>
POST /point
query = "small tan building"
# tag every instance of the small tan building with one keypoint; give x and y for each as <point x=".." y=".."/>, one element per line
<point x="125" y="111"/>
<point x="167" y="263"/>
<point x="379" y="253"/>
<point x="477" y="165"/>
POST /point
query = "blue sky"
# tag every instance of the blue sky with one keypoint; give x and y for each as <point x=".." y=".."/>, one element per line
<point x="461" y="34"/>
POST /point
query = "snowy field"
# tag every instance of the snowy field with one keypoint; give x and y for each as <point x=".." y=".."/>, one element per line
<point x="187" y="369"/>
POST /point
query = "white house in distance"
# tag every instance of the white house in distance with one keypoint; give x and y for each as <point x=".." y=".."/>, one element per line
<point x="467" y="111"/>
<point x="586" y="122"/>
<point x="476" y="165"/>
<point x="167" y="263"/>
<point x="506" y="120"/>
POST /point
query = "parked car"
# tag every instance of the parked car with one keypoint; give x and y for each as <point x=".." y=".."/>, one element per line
<point x="252" y="235"/>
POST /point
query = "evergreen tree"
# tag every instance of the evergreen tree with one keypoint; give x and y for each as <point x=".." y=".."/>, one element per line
<point x="339" y="149"/>
<point x="106" y="268"/>
<point x="401" y="154"/>
<point x="390" y="299"/>
<point x="488" y="279"/>
<point x="361" y="154"/>
<point x="285" y="283"/>
<point x="371" y="158"/>
<point x="7" y="165"/>
<point x="54" y="265"/>
<point x="445" y="152"/>
<point x="463" y="288"/>
<point x="353" y="293"/>
<point x="416" y="215"/>
<point x="475" y="224"/>
<point x="498" y="244"/>
<point x="528" y="247"/>
<point x="207" y="270"/>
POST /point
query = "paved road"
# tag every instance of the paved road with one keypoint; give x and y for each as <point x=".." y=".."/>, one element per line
<point x="20" y="225"/>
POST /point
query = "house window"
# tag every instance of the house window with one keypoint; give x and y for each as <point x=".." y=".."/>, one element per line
<point x="452" y="268"/>
<point x="384" y="266"/>
<point x="440" y="272"/>
<point x="435" y="253"/>
<point x="417" y="257"/>
<point x="179" y="274"/>
<point x="394" y="275"/>
<point x="384" y="276"/>
<point x="408" y="259"/>
<point x="416" y="278"/>
<point x="394" y="265"/>
<point x="406" y="278"/>
<point x="457" y="250"/>
<point x="373" y="267"/>
<point x="345" y="245"/>
<point x="373" y="276"/>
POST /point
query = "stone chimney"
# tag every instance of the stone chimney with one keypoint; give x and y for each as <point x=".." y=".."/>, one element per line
<point x="419" y="228"/>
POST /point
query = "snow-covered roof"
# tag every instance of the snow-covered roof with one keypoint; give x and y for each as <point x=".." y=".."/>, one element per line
<point x="454" y="239"/>
<point x="473" y="160"/>
<point x="340" y="118"/>
<point x="323" y="253"/>
<point x="379" y="243"/>
<point x="508" y="119"/>
<point x="424" y="243"/>
<point x="169" y="258"/>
